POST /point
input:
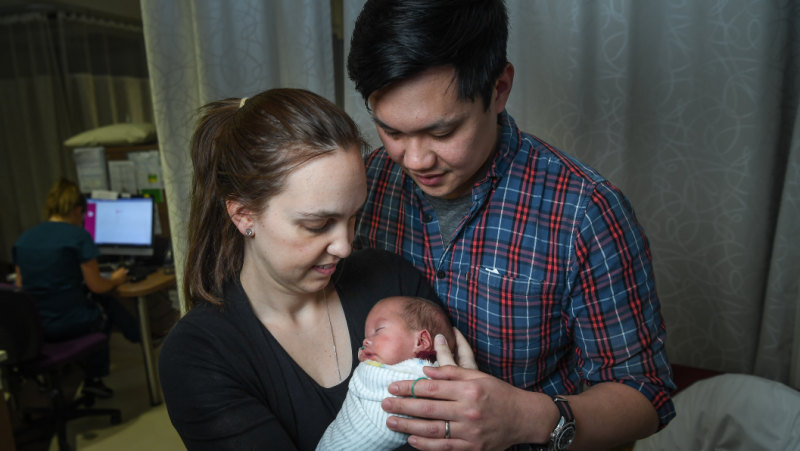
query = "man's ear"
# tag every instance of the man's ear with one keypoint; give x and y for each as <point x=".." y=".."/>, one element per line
<point x="240" y="216"/>
<point x="423" y="341"/>
<point x="502" y="88"/>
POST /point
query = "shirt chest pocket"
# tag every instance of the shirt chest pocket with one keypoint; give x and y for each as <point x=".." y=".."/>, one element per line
<point x="514" y="318"/>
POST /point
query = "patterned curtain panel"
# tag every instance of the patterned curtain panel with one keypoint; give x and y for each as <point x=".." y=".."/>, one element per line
<point x="691" y="108"/>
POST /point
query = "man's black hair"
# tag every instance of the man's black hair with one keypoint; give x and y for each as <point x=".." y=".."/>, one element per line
<point x="397" y="39"/>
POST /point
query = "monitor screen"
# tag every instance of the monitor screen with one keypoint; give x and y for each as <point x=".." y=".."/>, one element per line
<point x="121" y="226"/>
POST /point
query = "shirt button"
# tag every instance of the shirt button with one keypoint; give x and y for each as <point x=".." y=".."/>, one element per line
<point x="440" y="274"/>
<point x="426" y="218"/>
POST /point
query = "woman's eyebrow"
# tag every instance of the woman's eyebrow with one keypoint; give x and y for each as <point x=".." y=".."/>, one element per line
<point x="320" y="214"/>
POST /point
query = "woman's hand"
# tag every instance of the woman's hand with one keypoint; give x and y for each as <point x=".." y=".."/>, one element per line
<point x="96" y="282"/>
<point x="483" y="412"/>
<point x="119" y="276"/>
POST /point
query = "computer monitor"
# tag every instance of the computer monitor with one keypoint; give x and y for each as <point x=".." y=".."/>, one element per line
<point x="121" y="226"/>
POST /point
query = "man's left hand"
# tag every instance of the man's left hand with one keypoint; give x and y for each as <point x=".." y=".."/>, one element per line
<point x="483" y="412"/>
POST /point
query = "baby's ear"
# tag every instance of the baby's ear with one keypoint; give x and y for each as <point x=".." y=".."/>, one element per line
<point x="424" y="341"/>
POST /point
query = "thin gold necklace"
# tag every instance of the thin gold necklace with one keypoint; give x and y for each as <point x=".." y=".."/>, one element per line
<point x="330" y="326"/>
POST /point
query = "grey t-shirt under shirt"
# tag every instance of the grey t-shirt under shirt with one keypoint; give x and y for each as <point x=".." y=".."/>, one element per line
<point x="450" y="212"/>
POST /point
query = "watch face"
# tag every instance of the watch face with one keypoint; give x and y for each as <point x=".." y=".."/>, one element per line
<point x="565" y="437"/>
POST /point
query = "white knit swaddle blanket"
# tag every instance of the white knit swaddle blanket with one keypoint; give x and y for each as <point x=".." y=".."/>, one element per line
<point x="361" y="423"/>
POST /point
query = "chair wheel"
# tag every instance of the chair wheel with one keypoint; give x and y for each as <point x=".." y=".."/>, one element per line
<point x="116" y="418"/>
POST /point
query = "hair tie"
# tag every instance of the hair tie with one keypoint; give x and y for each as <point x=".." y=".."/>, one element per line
<point x="241" y="102"/>
<point x="415" y="383"/>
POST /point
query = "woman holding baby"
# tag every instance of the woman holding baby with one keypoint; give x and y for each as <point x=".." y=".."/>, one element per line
<point x="277" y="298"/>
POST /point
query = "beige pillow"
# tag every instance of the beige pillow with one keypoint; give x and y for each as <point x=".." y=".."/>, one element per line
<point x="114" y="135"/>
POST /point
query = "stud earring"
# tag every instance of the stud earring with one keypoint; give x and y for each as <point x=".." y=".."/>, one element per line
<point x="249" y="233"/>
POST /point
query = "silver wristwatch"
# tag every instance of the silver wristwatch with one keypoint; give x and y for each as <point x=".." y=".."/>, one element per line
<point x="564" y="433"/>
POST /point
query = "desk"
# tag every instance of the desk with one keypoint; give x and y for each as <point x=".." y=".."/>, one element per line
<point x="154" y="282"/>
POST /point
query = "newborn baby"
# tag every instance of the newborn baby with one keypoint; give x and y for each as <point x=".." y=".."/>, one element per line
<point x="399" y="343"/>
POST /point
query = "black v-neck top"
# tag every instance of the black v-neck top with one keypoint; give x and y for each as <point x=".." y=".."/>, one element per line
<point x="229" y="385"/>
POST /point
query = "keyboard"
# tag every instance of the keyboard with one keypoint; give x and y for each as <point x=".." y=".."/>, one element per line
<point x="139" y="272"/>
<point x="106" y="269"/>
<point x="136" y="272"/>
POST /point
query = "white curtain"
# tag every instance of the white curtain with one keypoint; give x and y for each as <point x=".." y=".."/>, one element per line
<point x="62" y="73"/>
<point x="204" y="50"/>
<point x="690" y="107"/>
<point x="353" y="102"/>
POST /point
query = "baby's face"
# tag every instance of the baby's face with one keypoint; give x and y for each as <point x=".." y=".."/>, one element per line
<point x="388" y="338"/>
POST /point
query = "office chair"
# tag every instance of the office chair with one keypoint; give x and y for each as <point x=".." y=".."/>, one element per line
<point x="30" y="358"/>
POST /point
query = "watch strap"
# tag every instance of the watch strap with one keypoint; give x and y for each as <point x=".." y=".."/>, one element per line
<point x="563" y="408"/>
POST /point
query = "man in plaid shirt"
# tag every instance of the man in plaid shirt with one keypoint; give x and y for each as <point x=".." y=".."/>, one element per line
<point x="539" y="260"/>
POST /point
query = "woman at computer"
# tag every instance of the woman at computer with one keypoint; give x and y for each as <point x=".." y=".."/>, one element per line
<point x="56" y="262"/>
